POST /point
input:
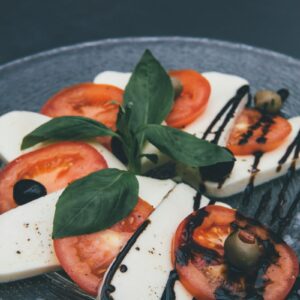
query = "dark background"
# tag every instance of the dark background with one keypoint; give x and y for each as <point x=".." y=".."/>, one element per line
<point x="30" y="26"/>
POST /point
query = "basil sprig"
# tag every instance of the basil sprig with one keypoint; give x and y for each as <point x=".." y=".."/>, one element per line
<point x="95" y="202"/>
<point x="149" y="94"/>
<point x="66" y="129"/>
<point x="185" y="148"/>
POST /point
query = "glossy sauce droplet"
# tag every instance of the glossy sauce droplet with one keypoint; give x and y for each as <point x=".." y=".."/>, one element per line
<point x="123" y="268"/>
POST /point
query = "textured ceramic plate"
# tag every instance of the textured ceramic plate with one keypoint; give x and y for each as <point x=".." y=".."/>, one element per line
<point x="27" y="83"/>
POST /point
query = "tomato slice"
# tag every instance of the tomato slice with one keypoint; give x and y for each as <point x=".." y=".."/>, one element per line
<point x="96" y="101"/>
<point x="192" y="101"/>
<point x="54" y="166"/>
<point x="198" y="256"/>
<point x="85" y="258"/>
<point x="257" y="132"/>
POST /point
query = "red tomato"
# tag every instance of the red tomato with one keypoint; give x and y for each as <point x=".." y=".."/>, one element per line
<point x="85" y="258"/>
<point x="254" y="132"/>
<point x="96" y="101"/>
<point x="198" y="255"/>
<point x="192" y="101"/>
<point x="54" y="166"/>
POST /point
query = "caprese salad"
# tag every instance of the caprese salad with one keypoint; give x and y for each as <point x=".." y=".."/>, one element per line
<point x="110" y="182"/>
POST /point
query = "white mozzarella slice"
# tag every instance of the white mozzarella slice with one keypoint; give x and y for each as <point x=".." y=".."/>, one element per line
<point x="15" y="125"/>
<point x="26" y="246"/>
<point x="241" y="173"/>
<point x="223" y="88"/>
<point x="149" y="258"/>
<point x="118" y="79"/>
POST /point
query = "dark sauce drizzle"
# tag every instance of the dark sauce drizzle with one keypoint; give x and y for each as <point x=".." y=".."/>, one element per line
<point x="279" y="207"/>
<point x="107" y="287"/>
<point x="231" y="105"/>
<point x="285" y="222"/>
<point x="169" y="293"/>
<point x="254" y="171"/>
<point x="288" y="152"/>
<point x="263" y="204"/>
<point x="198" y="197"/>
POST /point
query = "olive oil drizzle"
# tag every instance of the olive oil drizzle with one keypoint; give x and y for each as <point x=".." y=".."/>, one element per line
<point x="231" y="105"/>
<point x="107" y="287"/>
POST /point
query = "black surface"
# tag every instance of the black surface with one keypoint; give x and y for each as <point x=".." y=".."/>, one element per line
<point x="31" y="26"/>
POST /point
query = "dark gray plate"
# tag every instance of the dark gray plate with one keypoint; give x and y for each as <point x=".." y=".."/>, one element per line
<point x="27" y="83"/>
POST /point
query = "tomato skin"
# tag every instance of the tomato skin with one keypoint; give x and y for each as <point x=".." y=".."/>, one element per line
<point x="278" y="131"/>
<point x="54" y="166"/>
<point x="85" y="258"/>
<point x="203" y="275"/>
<point x="192" y="101"/>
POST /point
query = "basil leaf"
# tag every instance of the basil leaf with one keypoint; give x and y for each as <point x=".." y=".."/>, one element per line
<point x="130" y="147"/>
<point x="149" y="93"/>
<point x="95" y="202"/>
<point x="66" y="128"/>
<point x="186" y="148"/>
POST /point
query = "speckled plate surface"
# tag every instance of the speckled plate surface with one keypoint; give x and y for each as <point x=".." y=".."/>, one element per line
<point x="27" y="83"/>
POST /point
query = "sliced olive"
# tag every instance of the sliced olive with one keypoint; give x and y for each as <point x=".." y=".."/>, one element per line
<point x="177" y="86"/>
<point x="268" y="101"/>
<point x="217" y="172"/>
<point x="243" y="251"/>
<point x="27" y="190"/>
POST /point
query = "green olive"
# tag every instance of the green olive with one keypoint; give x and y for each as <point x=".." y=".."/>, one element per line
<point x="268" y="101"/>
<point x="242" y="250"/>
<point x="177" y="86"/>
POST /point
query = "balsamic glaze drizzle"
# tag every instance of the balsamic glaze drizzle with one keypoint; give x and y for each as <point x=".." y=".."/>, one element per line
<point x="263" y="203"/>
<point x="107" y="287"/>
<point x="288" y="152"/>
<point x="281" y="202"/>
<point x="198" y="197"/>
<point x="231" y="105"/>
<point x="285" y="222"/>
<point x="254" y="171"/>
<point x="169" y="293"/>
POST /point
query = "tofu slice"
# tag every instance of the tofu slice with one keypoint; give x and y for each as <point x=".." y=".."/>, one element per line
<point x="148" y="261"/>
<point x="15" y="125"/>
<point x="26" y="245"/>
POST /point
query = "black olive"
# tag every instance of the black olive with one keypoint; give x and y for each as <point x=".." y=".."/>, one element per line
<point x="217" y="172"/>
<point x="243" y="251"/>
<point x="27" y="190"/>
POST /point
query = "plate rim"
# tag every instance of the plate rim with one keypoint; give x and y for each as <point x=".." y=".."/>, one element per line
<point x="141" y="39"/>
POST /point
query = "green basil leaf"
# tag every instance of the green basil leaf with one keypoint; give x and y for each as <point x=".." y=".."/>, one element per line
<point x="149" y="93"/>
<point x="66" y="128"/>
<point x="186" y="148"/>
<point x="95" y="202"/>
<point x="130" y="148"/>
